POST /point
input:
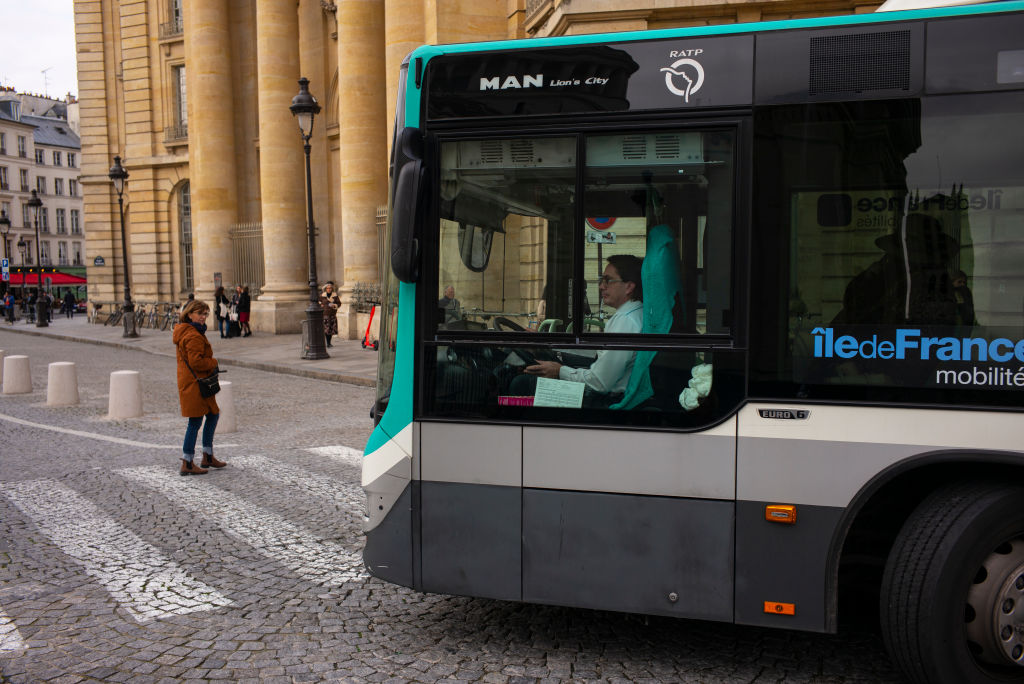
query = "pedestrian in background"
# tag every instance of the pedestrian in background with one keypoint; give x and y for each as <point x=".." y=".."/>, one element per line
<point x="329" y="302"/>
<point x="244" y="304"/>
<point x="195" y="360"/>
<point x="69" y="304"/>
<point x="222" y="307"/>
<point x="30" y="306"/>
<point x="9" y="306"/>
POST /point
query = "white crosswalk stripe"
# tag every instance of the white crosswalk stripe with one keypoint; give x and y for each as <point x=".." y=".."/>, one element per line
<point x="139" y="576"/>
<point x="349" y="495"/>
<point x="309" y="556"/>
<point x="353" y="457"/>
<point x="10" y="637"/>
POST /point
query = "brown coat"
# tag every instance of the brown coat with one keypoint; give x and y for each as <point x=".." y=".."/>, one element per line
<point x="193" y="345"/>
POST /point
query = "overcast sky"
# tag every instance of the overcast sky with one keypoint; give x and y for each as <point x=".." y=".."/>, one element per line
<point x="37" y="35"/>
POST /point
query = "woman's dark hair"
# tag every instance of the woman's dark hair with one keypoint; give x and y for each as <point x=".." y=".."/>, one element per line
<point x="629" y="268"/>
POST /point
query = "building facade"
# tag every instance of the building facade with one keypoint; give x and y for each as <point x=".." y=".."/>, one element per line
<point x="194" y="96"/>
<point x="40" y="153"/>
<point x="56" y="154"/>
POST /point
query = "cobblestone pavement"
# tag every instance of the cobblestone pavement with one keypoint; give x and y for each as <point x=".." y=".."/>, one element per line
<point x="114" y="568"/>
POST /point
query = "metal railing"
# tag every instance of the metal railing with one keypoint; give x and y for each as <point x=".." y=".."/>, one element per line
<point x="247" y="254"/>
<point x="364" y="296"/>
<point x="382" y="225"/>
<point x="176" y="133"/>
<point x="174" y="27"/>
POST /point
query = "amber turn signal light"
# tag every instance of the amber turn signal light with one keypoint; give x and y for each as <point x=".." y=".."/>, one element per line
<point x="780" y="513"/>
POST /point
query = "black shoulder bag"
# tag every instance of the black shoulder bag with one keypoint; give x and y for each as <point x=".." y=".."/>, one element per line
<point x="209" y="385"/>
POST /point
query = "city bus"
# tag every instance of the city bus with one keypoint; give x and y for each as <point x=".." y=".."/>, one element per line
<point x="722" y="323"/>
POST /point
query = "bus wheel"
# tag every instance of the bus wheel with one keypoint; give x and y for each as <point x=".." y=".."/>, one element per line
<point x="952" y="600"/>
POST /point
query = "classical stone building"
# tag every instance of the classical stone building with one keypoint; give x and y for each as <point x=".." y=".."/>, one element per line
<point x="194" y="96"/>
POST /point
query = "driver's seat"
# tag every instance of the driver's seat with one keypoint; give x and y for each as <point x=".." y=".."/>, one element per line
<point x="662" y="279"/>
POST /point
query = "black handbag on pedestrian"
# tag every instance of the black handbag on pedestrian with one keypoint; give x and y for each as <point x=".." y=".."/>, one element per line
<point x="209" y="385"/>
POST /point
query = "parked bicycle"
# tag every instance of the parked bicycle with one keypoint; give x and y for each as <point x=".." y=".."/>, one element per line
<point x="170" y="316"/>
<point x="115" y="316"/>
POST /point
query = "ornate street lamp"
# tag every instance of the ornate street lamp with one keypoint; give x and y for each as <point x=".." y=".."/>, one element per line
<point x="42" y="308"/>
<point x="5" y="229"/>
<point x="305" y="107"/>
<point x="23" y="248"/>
<point x="117" y="176"/>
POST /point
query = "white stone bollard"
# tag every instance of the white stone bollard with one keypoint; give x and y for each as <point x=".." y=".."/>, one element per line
<point x="62" y="384"/>
<point x="17" y="378"/>
<point x="226" y="403"/>
<point x="1" y="367"/>
<point x="125" y="395"/>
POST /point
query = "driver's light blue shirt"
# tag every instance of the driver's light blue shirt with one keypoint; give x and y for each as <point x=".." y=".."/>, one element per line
<point x="610" y="370"/>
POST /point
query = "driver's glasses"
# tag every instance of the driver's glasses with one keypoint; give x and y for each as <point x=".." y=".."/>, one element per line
<point x="605" y="280"/>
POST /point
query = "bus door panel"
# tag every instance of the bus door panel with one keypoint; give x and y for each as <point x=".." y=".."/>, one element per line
<point x="627" y="520"/>
<point x="470" y="500"/>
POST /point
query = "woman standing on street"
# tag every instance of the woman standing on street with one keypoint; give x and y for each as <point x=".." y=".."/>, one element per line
<point x="244" y="304"/>
<point x="195" y="360"/>
<point x="329" y="302"/>
<point x="222" y="306"/>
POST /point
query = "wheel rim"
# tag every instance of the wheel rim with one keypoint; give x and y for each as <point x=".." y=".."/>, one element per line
<point x="995" y="607"/>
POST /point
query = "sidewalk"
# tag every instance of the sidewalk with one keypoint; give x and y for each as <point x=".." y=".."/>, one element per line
<point x="349" y="361"/>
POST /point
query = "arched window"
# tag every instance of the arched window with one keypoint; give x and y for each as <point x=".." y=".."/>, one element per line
<point x="185" y="236"/>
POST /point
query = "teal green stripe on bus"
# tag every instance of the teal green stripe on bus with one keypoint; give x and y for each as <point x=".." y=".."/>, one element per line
<point x="399" y="411"/>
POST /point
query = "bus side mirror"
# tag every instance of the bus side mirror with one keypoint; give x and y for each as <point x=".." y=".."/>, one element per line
<point x="406" y="212"/>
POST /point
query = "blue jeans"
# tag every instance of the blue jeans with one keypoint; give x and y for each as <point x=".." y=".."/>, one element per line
<point x="189" y="447"/>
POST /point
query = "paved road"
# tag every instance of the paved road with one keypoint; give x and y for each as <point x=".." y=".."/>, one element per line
<point x="114" y="568"/>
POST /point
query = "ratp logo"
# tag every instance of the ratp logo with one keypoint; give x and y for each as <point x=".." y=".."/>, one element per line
<point x="689" y="70"/>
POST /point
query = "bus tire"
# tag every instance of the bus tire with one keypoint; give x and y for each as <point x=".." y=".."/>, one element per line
<point x="952" y="598"/>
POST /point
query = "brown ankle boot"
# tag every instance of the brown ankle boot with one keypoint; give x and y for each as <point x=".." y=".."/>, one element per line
<point x="211" y="461"/>
<point x="190" y="468"/>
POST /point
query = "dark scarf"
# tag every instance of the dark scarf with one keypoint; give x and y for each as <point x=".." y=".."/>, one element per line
<point x="201" y="327"/>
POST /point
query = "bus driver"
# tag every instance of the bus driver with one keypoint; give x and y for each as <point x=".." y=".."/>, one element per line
<point x="620" y="288"/>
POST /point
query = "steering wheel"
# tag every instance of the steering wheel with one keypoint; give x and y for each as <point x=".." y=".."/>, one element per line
<point x="530" y="356"/>
<point x="501" y="323"/>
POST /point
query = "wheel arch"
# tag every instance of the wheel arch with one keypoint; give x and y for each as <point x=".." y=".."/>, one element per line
<point x="869" y="525"/>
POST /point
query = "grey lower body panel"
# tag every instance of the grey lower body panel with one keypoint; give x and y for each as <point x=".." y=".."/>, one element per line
<point x="388" y="552"/>
<point x="639" y="554"/>
<point x="643" y="554"/>
<point x="632" y="553"/>
<point x="471" y="539"/>
<point x="785" y="564"/>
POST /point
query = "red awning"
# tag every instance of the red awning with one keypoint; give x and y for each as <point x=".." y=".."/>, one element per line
<point x="58" y="278"/>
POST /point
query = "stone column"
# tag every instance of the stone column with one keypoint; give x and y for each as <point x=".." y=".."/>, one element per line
<point x="281" y="306"/>
<point x="364" y="143"/>
<point x="212" y="171"/>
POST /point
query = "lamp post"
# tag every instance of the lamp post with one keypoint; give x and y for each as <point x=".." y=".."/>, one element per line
<point x="5" y="229"/>
<point x="305" y="107"/>
<point x="23" y="248"/>
<point x="42" y="313"/>
<point x="117" y="176"/>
